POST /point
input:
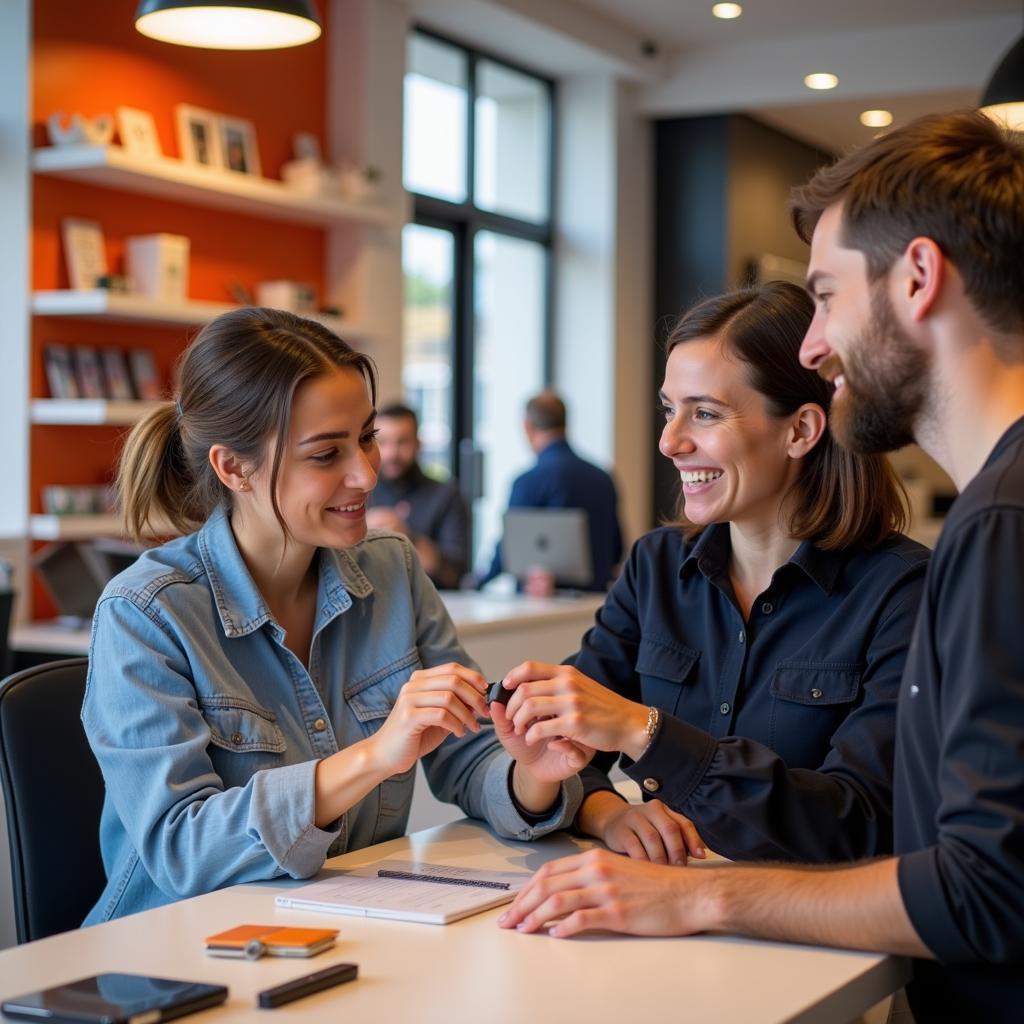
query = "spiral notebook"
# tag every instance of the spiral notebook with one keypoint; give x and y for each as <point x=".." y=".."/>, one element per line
<point x="407" y="891"/>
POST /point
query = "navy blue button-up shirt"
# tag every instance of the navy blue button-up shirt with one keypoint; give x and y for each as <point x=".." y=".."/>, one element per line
<point x="960" y="756"/>
<point x="777" y="733"/>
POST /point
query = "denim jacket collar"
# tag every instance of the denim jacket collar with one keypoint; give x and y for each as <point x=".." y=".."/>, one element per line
<point x="710" y="555"/>
<point x="240" y="605"/>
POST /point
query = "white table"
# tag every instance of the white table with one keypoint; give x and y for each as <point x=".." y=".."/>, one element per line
<point x="470" y="971"/>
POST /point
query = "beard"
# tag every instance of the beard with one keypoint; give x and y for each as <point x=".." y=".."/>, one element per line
<point x="886" y="384"/>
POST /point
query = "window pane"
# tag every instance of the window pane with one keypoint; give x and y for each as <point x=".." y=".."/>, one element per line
<point x="513" y="117"/>
<point x="509" y="365"/>
<point x="435" y="119"/>
<point x="428" y="260"/>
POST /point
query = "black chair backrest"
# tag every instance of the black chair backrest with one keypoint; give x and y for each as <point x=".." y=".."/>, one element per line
<point x="53" y="795"/>
<point x="6" y="607"/>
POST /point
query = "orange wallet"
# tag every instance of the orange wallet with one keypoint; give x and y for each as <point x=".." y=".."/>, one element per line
<point x="254" y="940"/>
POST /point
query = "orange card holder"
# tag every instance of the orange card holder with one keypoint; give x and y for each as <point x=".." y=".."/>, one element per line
<point x="251" y="941"/>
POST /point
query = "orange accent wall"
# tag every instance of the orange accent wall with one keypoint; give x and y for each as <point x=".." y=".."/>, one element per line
<point x="88" y="58"/>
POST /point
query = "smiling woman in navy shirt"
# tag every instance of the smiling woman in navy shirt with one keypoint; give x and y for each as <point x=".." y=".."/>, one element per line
<point x="747" y="664"/>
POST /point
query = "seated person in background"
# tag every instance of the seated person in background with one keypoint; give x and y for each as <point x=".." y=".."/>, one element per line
<point x="433" y="515"/>
<point x="261" y="688"/>
<point x="747" y="664"/>
<point x="561" y="479"/>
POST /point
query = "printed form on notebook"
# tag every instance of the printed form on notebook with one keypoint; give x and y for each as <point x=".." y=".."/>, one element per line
<point x="408" y="891"/>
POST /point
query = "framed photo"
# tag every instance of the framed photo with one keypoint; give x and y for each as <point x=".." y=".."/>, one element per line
<point x="87" y="373"/>
<point x="115" y="369"/>
<point x="84" y="252"/>
<point x="60" y="373"/>
<point x="144" y="375"/>
<point x="238" y="145"/>
<point x="198" y="137"/>
<point x="138" y="132"/>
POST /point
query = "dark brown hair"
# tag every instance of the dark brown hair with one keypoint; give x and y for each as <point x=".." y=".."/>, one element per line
<point x="839" y="498"/>
<point x="957" y="179"/>
<point x="236" y="382"/>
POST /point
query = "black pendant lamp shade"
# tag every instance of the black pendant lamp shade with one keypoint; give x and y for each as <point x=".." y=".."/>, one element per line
<point x="1003" y="99"/>
<point x="229" y="24"/>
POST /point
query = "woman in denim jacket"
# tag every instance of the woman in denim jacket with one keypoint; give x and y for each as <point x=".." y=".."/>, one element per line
<point x="261" y="688"/>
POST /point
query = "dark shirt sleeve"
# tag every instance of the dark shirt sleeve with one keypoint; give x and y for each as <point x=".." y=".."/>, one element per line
<point x="452" y="541"/>
<point x="965" y="894"/>
<point x="745" y="801"/>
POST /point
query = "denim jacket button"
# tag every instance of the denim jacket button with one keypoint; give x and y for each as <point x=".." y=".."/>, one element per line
<point x="236" y="738"/>
<point x="319" y="725"/>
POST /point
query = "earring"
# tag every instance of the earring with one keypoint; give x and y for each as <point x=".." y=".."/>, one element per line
<point x="244" y="485"/>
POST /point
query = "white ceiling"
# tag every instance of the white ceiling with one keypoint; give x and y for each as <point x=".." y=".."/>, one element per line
<point x="909" y="56"/>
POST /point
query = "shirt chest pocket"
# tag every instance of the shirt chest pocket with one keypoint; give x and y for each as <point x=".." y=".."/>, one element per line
<point x="371" y="698"/>
<point x="664" y="668"/>
<point x="244" y="738"/>
<point x="809" y="702"/>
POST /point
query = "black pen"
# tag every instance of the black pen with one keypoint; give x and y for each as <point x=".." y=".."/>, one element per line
<point x="336" y="974"/>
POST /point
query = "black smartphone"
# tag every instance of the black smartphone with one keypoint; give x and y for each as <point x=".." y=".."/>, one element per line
<point x="115" y="999"/>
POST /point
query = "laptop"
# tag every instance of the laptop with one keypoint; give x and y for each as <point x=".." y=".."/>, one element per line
<point x="556" y="539"/>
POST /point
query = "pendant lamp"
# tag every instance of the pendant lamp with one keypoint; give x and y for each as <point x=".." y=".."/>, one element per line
<point x="1003" y="99"/>
<point x="229" y="24"/>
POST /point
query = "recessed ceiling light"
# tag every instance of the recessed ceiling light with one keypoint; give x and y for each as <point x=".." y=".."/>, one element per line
<point x="821" y="80"/>
<point x="727" y="11"/>
<point x="876" y="118"/>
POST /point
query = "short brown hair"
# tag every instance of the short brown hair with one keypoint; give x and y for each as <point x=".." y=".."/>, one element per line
<point x="957" y="179"/>
<point x="546" y="411"/>
<point x="236" y="383"/>
<point x="840" y="498"/>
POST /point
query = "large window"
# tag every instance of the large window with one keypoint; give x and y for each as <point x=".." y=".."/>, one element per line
<point x="479" y="162"/>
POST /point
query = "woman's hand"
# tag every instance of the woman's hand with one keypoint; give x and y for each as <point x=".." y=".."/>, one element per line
<point x="602" y="890"/>
<point x="434" y="704"/>
<point x="649" y="831"/>
<point x="550" y="761"/>
<point x="557" y="701"/>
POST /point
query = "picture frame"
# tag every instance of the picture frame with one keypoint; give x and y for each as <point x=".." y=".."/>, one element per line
<point x="60" y="372"/>
<point x="84" y="252"/>
<point x="238" y="145"/>
<point x="115" y="370"/>
<point x="198" y="136"/>
<point x="87" y="373"/>
<point x="144" y="374"/>
<point x="137" y="131"/>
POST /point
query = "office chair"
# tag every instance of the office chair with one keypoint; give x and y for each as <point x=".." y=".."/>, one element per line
<point x="6" y="608"/>
<point x="53" y="795"/>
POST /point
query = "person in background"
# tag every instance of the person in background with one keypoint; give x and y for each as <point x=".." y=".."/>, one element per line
<point x="561" y="479"/>
<point x="747" y="662"/>
<point x="432" y="514"/>
<point x="261" y="688"/>
<point x="918" y="281"/>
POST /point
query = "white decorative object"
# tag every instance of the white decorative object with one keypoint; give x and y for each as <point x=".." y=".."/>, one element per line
<point x="198" y="136"/>
<point x="357" y="183"/>
<point x="306" y="146"/>
<point x="137" y="130"/>
<point x="309" y="177"/>
<point x="80" y="130"/>
<point x="158" y="266"/>
<point x="84" y="252"/>
<point x="295" y="296"/>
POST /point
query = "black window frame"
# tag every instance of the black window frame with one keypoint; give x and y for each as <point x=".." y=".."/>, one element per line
<point x="465" y="220"/>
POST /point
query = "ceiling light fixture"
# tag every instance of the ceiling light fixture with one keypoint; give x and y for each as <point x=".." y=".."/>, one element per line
<point x="1003" y="99"/>
<point x="821" y="80"/>
<point x="727" y="11"/>
<point x="876" y="118"/>
<point x="229" y="24"/>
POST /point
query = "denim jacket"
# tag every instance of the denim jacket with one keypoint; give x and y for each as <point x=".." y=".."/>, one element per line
<point x="208" y="729"/>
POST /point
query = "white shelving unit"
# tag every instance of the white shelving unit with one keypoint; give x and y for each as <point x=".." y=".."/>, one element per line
<point x="82" y="412"/>
<point x="100" y="304"/>
<point x="167" y="178"/>
<point x="43" y="527"/>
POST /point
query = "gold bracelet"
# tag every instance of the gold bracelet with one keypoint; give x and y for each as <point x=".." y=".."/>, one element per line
<point x="653" y="718"/>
